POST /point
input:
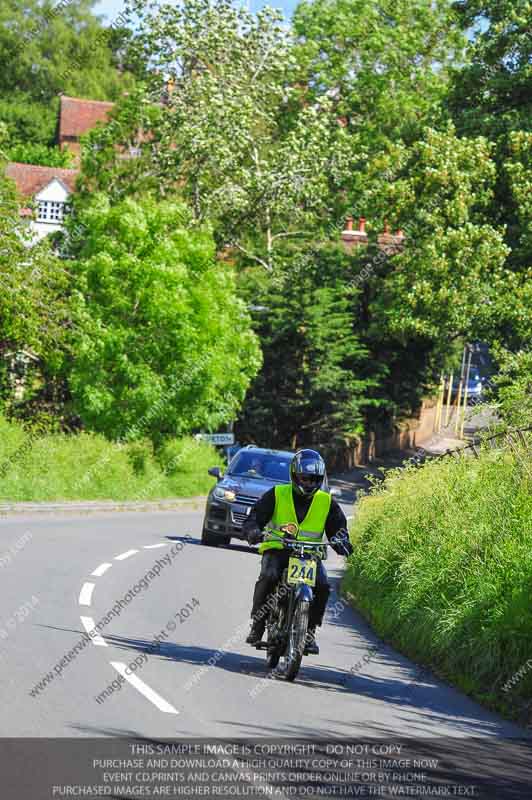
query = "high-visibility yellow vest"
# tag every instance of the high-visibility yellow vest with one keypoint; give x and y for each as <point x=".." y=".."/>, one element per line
<point x="311" y="529"/>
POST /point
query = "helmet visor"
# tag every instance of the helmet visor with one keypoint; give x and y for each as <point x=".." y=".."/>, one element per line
<point x="308" y="481"/>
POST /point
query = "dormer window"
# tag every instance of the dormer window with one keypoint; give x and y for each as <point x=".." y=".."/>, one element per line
<point x="51" y="211"/>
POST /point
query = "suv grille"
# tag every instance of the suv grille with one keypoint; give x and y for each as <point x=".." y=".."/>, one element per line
<point x="238" y="518"/>
<point x="247" y="499"/>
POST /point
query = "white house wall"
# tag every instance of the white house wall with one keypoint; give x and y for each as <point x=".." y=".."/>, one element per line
<point x="54" y="192"/>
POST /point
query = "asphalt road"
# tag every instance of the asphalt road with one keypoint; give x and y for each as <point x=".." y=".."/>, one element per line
<point x="60" y="576"/>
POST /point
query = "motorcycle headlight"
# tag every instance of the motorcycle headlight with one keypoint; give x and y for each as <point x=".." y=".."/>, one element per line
<point x="224" y="494"/>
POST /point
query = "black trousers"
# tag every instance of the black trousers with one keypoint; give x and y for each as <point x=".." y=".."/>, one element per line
<point x="271" y="569"/>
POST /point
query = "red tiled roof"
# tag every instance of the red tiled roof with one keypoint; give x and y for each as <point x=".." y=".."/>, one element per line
<point x="77" y="116"/>
<point x="30" y="178"/>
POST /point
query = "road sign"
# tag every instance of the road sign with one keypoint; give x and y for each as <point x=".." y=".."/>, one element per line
<point x="217" y="438"/>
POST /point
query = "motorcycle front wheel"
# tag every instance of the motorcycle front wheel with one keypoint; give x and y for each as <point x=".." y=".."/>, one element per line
<point x="275" y="626"/>
<point x="272" y="659"/>
<point x="296" y="640"/>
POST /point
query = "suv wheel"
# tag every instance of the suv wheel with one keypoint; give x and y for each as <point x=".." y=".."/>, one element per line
<point x="210" y="539"/>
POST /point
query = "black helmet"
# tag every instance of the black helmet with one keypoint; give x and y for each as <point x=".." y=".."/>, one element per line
<point x="307" y="472"/>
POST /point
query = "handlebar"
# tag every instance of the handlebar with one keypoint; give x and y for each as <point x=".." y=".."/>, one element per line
<point x="271" y="535"/>
<point x="293" y="544"/>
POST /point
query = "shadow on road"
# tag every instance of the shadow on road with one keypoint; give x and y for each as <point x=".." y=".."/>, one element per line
<point x="327" y="678"/>
<point x="239" y="548"/>
<point x="413" y="693"/>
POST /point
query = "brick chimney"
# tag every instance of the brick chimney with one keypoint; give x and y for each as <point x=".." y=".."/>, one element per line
<point x="390" y="243"/>
<point x="351" y="238"/>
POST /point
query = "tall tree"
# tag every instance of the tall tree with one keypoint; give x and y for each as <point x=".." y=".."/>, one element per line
<point x="160" y="343"/>
<point x="316" y="378"/>
<point x="224" y="136"/>
<point x="383" y="67"/>
<point x="492" y="91"/>
<point x="384" y="63"/>
<point x="492" y="95"/>
<point x="450" y="281"/>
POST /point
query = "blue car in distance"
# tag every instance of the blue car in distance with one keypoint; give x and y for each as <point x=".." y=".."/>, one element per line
<point x="476" y="387"/>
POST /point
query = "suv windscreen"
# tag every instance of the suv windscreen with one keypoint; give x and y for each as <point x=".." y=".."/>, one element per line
<point x="260" y="465"/>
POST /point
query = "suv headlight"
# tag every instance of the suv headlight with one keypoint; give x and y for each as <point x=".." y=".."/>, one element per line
<point x="224" y="494"/>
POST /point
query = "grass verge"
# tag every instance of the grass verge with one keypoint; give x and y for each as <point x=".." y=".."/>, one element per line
<point x="86" y="466"/>
<point x="443" y="570"/>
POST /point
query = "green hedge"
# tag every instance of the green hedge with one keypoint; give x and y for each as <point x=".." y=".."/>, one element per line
<point x="443" y="569"/>
<point x="89" y="467"/>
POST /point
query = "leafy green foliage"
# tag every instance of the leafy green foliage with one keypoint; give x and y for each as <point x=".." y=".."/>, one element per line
<point x="383" y="67"/>
<point x="491" y="94"/>
<point x="28" y="121"/>
<point x="315" y="377"/>
<point x="161" y="344"/>
<point x="34" y="153"/>
<point x="34" y="310"/>
<point x="491" y="91"/>
<point x="442" y="568"/>
<point x="103" y="164"/>
<point x="268" y="134"/>
<point x="513" y="388"/>
<point x="448" y="283"/>
<point x="517" y="330"/>
<point x="224" y="135"/>
<point x="249" y="137"/>
<point x="385" y="63"/>
<point x="451" y="272"/>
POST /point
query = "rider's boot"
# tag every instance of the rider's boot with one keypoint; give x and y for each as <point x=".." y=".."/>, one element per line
<point x="311" y="645"/>
<point x="256" y="633"/>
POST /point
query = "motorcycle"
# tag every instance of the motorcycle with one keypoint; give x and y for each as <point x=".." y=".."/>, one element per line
<point x="289" y="605"/>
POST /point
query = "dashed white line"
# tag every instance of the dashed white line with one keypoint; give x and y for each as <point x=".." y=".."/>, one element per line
<point x="85" y="596"/>
<point x="128" y="553"/>
<point x="88" y="624"/>
<point x="144" y="689"/>
<point x="101" y="570"/>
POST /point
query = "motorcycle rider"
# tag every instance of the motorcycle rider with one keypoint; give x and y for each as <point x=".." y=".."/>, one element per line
<point x="303" y="502"/>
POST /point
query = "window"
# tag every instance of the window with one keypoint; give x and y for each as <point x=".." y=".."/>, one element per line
<point x="51" y="211"/>
<point x="252" y="464"/>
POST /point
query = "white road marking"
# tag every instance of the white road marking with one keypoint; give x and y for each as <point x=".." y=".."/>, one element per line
<point x="99" y="571"/>
<point x="88" y="624"/>
<point x="128" y="553"/>
<point x="153" y="546"/>
<point x="85" y="596"/>
<point x="144" y="689"/>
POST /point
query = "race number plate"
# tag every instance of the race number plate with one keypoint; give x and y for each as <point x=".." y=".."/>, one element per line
<point x="302" y="570"/>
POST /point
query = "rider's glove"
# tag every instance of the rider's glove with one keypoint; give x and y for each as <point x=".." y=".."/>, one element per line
<point x="341" y="543"/>
<point x="255" y="536"/>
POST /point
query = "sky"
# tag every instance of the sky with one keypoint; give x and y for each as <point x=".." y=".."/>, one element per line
<point x="111" y="8"/>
